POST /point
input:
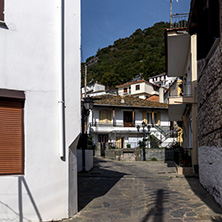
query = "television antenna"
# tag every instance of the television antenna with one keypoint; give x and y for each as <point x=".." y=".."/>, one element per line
<point x="171" y="12"/>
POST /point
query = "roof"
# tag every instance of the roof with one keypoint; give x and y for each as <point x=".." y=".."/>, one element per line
<point x="130" y="83"/>
<point x="134" y="82"/>
<point x="154" y="98"/>
<point x="127" y="101"/>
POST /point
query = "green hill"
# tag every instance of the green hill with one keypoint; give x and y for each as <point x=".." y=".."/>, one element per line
<point x="141" y="53"/>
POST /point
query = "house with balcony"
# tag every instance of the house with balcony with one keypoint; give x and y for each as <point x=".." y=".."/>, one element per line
<point x="114" y="121"/>
<point x="181" y="60"/>
<point x="162" y="80"/>
<point x="39" y="109"/>
<point x="138" y="88"/>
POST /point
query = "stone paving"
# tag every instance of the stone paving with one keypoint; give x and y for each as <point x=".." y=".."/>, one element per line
<point x="142" y="192"/>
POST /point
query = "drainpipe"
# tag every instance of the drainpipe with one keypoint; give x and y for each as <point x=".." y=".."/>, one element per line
<point x="61" y="99"/>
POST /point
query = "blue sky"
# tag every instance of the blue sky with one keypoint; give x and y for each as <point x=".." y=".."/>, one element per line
<point x="104" y="21"/>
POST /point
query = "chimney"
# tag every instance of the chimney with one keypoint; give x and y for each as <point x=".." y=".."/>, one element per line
<point x="161" y="95"/>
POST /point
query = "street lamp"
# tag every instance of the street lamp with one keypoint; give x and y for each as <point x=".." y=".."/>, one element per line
<point x="87" y="104"/>
<point x="145" y="133"/>
<point x="144" y="137"/>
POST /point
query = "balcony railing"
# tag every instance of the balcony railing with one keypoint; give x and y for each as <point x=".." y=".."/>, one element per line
<point x="180" y="88"/>
<point x="179" y="20"/>
<point x="107" y="124"/>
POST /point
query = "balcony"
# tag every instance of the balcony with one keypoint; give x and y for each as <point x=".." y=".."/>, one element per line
<point x="177" y="43"/>
<point x="180" y="94"/>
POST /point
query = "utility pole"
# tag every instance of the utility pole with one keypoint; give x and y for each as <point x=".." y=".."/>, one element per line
<point x="85" y="79"/>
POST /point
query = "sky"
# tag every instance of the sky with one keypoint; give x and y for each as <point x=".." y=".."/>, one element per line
<point x="105" y="21"/>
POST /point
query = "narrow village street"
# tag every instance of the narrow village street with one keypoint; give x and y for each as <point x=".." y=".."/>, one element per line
<point x="140" y="192"/>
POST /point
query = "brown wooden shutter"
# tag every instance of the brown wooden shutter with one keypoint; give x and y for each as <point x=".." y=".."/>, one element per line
<point x="11" y="137"/>
<point x="1" y="10"/>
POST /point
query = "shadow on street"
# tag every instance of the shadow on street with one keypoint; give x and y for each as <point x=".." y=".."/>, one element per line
<point x="157" y="211"/>
<point x="96" y="183"/>
<point x="200" y="191"/>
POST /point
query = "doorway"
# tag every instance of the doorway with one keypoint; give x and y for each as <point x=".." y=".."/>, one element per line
<point x="103" y="139"/>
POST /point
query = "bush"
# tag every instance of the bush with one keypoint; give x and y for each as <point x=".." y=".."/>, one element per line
<point x="153" y="159"/>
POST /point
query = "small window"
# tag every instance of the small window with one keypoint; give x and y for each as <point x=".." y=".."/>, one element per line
<point x="125" y="90"/>
<point x="2" y="10"/>
<point x="137" y="87"/>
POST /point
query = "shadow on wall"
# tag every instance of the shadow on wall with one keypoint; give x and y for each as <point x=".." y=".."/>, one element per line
<point x="95" y="183"/>
<point x="18" y="216"/>
<point x="21" y="181"/>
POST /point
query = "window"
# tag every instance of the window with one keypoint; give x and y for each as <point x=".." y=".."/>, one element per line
<point x="2" y="10"/>
<point x="125" y="90"/>
<point x="105" y="117"/>
<point x="11" y="137"/>
<point x="137" y="87"/>
<point x="128" y="119"/>
<point x="151" y="118"/>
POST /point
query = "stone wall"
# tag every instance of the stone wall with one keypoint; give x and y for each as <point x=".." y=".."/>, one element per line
<point x="210" y="123"/>
<point x="137" y="155"/>
<point x="210" y="167"/>
<point x="210" y="100"/>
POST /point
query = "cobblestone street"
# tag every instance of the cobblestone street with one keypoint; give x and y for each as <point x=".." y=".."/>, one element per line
<point x="141" y="192"/>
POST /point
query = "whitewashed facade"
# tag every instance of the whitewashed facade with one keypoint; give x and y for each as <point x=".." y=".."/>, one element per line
<point x="40" y="56"/>
<point x="117" y="124"/>
<point x="140" y="88"/>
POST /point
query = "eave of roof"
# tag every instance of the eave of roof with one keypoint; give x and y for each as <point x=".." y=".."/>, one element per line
<point x="127" y="102"/>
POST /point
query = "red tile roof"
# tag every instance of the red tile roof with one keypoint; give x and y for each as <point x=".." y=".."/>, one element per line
<point x="154" y="98"/>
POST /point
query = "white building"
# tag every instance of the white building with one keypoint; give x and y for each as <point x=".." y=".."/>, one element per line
<point x="114" y="120"/>
<point x="140" y="88"/>
<point x="39" y="109"/>
<point x="162" y="80"/>
<point x="94" y="89"/>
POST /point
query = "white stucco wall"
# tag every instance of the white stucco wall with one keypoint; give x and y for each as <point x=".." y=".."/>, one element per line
<point x="210" y="167"/>
<point x="30" y="60"/>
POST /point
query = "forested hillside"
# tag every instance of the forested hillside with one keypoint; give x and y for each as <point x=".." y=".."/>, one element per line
<point x="141" y="53"/>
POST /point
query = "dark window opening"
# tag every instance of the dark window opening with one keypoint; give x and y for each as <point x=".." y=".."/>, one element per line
<point x="208" y="28"/>
<point x="128" y="119"/>
<point x="2" y="18"/>
<point x="137" y="87"/>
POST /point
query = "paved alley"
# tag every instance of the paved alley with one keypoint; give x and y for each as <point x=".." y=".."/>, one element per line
<point x="142" y="192"/>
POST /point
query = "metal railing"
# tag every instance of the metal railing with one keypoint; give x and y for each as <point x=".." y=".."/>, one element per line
<point x="179" y="20"/>
<point x="112" y="123"/>
<point x="179" y="88"/>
